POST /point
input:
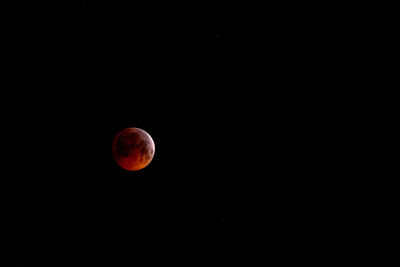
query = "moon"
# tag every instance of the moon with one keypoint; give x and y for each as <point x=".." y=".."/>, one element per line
<point x="133" y="149"/>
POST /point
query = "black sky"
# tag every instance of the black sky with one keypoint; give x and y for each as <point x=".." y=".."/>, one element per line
<point x="275" y="137"/>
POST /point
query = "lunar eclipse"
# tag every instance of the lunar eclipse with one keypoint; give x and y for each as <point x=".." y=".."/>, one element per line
<point x="133" y="149"/>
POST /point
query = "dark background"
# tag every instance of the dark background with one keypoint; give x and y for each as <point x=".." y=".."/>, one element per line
<point x="275" y="130"/>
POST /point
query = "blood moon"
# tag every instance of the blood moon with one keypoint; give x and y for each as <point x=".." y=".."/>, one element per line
<point x="133" y="149"/>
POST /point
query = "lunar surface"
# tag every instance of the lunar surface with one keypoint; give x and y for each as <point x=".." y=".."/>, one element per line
<point x="133" y="149"/>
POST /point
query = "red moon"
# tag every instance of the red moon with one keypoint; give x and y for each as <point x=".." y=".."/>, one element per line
<point x="133" y="149"/>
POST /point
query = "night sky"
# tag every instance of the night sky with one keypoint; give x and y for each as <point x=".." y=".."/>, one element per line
<point x="275" y="131"/>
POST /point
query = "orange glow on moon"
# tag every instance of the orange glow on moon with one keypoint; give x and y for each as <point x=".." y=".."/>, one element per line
<point x="133" y="149"/>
